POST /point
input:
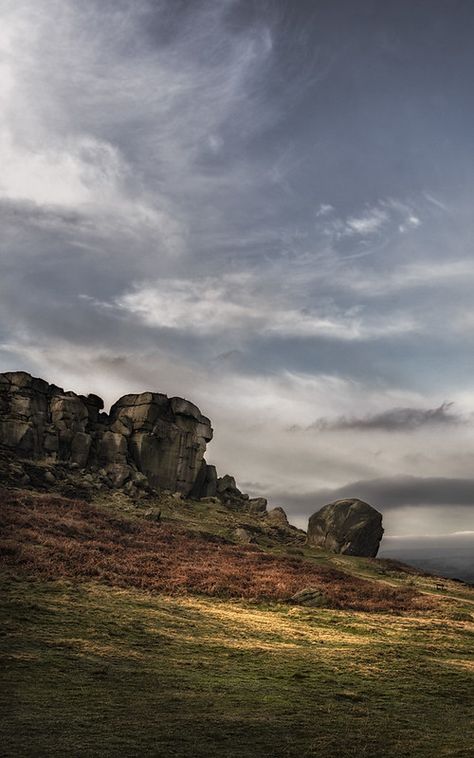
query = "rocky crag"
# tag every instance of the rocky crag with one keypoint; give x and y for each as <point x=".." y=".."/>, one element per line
<point x="147" y="445"/>
<point x="148" y="442"/>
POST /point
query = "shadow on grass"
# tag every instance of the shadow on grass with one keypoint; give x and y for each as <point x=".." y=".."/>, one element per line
<point x="94" y="671"/>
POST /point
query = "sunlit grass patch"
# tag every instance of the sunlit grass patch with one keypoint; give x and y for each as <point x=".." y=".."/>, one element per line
<point x="101" y="671"/>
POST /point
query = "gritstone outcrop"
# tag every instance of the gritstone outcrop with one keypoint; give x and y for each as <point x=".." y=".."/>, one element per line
<point x="147" y="442"/>
<point x="146" y="439"/>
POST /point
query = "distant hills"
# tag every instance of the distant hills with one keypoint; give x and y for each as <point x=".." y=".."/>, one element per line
<point x="451" y="555"/>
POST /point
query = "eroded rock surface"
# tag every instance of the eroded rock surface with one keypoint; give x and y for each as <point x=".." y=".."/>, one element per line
<point x="277" y="517"/>
<point x="347" y="526"/>
<point x="166" y="438"/>
<point x="310" y="597"/>
<point x="228" y="492"/>
<point x="147" y="439"/>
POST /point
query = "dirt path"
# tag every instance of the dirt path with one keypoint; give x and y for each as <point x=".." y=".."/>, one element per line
<point x="397" y="583"/>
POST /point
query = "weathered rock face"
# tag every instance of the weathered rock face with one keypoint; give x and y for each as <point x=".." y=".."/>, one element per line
<point x="205" y="484"/>
<point x="277" y="517"/>
<point x="228" y="492"/>
<point x="147" y="436"/>
<point x="348" y="526"/>
<point x="166" y="438"/>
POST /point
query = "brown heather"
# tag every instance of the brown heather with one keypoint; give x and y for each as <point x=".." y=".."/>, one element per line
<point x="51" y="537"/>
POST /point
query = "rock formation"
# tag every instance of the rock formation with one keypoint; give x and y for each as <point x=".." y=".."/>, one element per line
<point x="277" y="517"/>
<point x="148" y="439"/>
<point x="348" y="526"/>
<point x="310" y="597"/>
<point x="146" y="442"/>
<point x="228" y="492"/>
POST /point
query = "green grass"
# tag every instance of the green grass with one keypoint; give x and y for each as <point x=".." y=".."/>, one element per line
<point x="90" y="670"/>
<point x="197" y="516"/>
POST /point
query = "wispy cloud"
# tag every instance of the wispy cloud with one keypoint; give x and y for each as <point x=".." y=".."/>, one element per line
<point x="423" y="275"/>
<point x="77" y="147"/>
<point x="369" y="223"/>
<point x="387" y="217"/>
<point x="324" y="210"/>
<point x="392" y="420"/>
<point x="239" y="303"/>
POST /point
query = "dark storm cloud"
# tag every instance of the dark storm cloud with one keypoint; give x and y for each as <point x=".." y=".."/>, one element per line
<point x="390" y="492"/>
<point x="394" y="419"/>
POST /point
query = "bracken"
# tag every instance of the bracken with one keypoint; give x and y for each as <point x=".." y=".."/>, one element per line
<point x="52" y="538"/>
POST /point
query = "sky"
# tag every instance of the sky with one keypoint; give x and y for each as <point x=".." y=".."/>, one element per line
<point x="264" y="206"/>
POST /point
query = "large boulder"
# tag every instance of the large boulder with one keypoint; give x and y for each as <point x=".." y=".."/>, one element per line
<point x="347" y="526"/>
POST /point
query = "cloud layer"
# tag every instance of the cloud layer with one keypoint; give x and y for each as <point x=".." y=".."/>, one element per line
<point x="265" y="208"/>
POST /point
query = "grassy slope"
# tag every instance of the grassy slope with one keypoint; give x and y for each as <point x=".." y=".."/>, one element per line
<point x="103" y="672"/>
<point x="96" y="670"/>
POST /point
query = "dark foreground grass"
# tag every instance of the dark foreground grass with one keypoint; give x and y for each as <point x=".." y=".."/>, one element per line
<point x="90" y="670"/>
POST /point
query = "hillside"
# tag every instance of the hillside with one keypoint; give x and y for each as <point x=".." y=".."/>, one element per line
<point x="167" y="627"/>
<point x="149" y="607"/>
